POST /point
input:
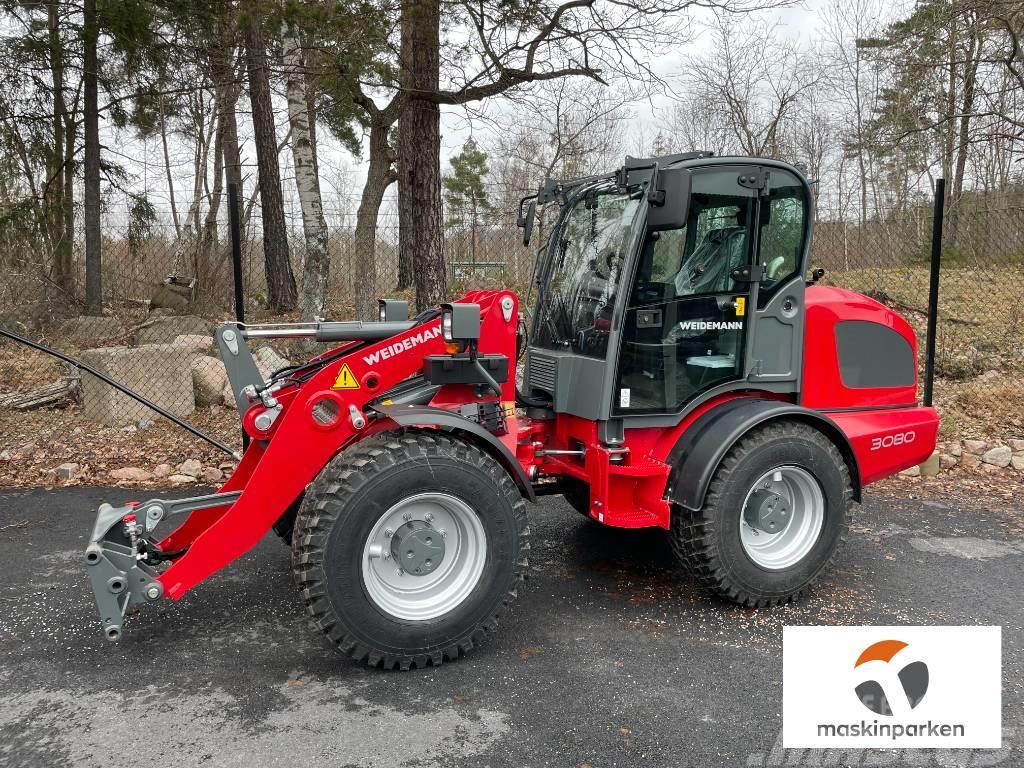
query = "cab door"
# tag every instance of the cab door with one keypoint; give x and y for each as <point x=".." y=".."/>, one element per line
<point x="688" y="315"/>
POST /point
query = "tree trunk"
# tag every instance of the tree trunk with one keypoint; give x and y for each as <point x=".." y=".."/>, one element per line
<point x="91" y="132"/>
<point x="63" y="266"/>
<point x="379" y="176"/>
<point x="281" y="291"/>
<point x="420" y="219"/>
<point x="317" y="264"/>
<point x="167" y="170"/>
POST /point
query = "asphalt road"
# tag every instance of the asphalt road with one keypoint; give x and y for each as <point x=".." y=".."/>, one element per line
<point x="611" y="658"/>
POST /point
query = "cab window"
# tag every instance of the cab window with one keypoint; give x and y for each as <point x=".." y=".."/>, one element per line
<point x="782" y="234"/>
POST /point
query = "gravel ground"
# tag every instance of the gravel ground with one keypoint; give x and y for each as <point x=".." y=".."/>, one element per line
<point x="612" y="657"/>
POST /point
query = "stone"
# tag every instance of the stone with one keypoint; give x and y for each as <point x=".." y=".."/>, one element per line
<point x="90" y="331"/>
<point x="194" y="342"/>
<point x="999" y="456"/>
<point x="68" y="471"/>
<point x="144" y="424"/>
<point x="6" y="454"/>
<point x="989" y="376"/>
<point x="977" y="447"/>
<point x="131" y="473"/>
<point x="171" y="296"/>
<point x="209" y="377"/>
<point x="268" y="361"/>
<point x="1015" y="444"/>
<point x="181" y="479"/>
<point x="164" y="330"/>
<point x="991" y="469"/>
<point x="969" y="460"/>
<point x="211" y="475"/>
<point x="955" y="449"/>
<point x="930" y="466"/>
<point x="190" y="467"/>
<point x="911" y="472"/>
<point x="1017" y="461"/>
<point x="159" y="372"/>
<point x="163" y="470"/>
<point x="946" y="461"/>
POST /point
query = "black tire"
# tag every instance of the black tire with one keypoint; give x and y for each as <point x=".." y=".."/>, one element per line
<point x="708" y="542"/>
<point x="348" y="498"/>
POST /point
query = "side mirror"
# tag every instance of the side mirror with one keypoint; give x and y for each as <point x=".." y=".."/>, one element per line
<point x="526" y="222"/>
<point x="670" y="201"/>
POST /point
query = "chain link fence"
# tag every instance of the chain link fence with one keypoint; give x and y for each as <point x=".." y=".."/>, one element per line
<point x="165" y="288"/>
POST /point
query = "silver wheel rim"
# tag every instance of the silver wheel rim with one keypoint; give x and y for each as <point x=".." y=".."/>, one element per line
<point x="804" y="505"/>
<point x="412" y="597"/>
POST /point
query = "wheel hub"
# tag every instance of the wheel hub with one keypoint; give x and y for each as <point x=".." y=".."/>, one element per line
<point x="766" y="511"/>
<point x="417" y="548"/>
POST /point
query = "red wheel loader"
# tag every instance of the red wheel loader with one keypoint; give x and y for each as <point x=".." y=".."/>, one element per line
<point x="680" y="373"/>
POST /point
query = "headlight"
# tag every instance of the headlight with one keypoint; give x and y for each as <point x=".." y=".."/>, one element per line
<point x="460" y="322"/>
<point x="446" y="324"/>
<point x="393" y="310"/>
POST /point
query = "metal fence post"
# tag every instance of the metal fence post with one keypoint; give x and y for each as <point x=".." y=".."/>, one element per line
<point x="235" y="225"/>
<point x="933" y="291"/>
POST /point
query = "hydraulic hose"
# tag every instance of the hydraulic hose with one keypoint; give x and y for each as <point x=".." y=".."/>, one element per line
<point x="122" y="388"/>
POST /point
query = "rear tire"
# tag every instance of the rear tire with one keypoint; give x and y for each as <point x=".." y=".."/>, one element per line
<point x="391" y="494"/>
<point x="755" y="567"/>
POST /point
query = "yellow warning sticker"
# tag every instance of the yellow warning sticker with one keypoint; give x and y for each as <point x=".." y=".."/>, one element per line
<point x="345" y="379"/>
<point x="741" y="305"/>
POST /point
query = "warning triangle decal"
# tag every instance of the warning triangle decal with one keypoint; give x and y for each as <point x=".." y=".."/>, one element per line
<point x="345" y="379"/>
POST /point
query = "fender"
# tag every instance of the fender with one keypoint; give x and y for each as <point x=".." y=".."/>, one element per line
<point x="700" y="449"/>
<point x="429" y="416"/>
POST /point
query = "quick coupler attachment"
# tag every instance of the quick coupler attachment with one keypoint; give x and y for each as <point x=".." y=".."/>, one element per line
<point x="118" y="566"/>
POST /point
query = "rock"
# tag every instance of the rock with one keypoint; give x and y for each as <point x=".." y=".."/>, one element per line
<point x="1017" y="461"/>
<point x="991" y="469"/>
<point x="131" y="473"/>
<point x="90" y="331"/>
<point x="201" y="345"/>
<point x="209" y="378"/>
<point x="911" y="472"/>
<point x="1000" y="456"/>
<point x="930" y="466"/>
<point x="1015" y="444"/>
<point x="170" y="296"/>
<point x="969" y="460"/>
<point x="988" y="376"/>
<point x="268" y="361"/>
<point x="162" y="470"/>
<point x="181" y="479"/>
<point x="164" y="330"/>
<point x="211" y="475"/>
<point x="144" y="424"/>
<point x="69" y="471"/>
<point x="956" y="450"/>
<point x="190" y="467"/>
<point x="159" y="372"/>
<point x="946" y="461"/>
<point x="6" y="454"/>
<point x="977" y="447"/>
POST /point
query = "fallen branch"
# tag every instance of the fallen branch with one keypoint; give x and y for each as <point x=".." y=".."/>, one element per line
<point x="49" y="394"/>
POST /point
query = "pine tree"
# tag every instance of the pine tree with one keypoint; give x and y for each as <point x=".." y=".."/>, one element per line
<point x="465" y="194"/>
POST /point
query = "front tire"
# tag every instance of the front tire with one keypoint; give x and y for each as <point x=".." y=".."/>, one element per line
<point x="774" y="517"/>
<point x="443" y="508"/>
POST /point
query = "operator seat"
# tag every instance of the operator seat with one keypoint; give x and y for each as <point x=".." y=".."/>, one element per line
<point x="709" y="269"/>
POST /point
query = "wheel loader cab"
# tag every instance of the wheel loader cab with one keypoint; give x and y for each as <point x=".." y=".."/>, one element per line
<point x="646" y="309"/>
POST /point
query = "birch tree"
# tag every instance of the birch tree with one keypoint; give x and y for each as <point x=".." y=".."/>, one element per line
<point x="317" y="264"/>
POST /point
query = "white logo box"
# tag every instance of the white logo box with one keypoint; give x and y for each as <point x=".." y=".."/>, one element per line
<point x="823" y="687"/>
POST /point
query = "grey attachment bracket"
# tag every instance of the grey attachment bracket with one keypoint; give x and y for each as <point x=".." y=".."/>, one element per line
<point x="119" y="576"/>
<point x="243" y="375"/>
<point x="118" y="571"/>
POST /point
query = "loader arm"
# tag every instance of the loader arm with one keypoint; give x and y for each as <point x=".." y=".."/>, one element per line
<point x="296" y="427"/>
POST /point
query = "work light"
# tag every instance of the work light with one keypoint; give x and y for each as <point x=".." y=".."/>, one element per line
<point x="393" y="310"/>
<point x="460" y="322"/>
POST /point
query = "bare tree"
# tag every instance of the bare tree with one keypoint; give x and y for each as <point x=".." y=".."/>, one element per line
<point x="752" y="87"/>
